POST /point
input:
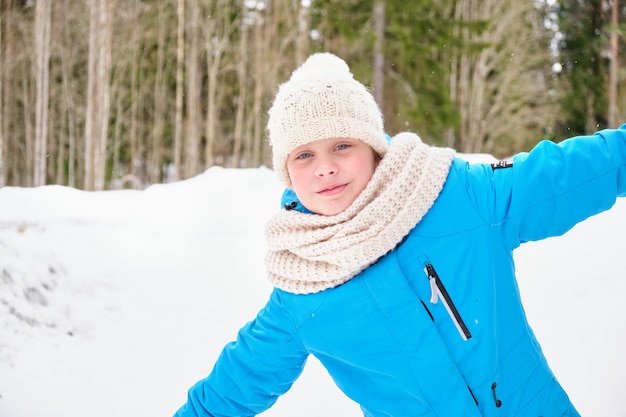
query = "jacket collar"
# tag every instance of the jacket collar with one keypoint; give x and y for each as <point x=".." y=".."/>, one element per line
<point x="290" y="201"/>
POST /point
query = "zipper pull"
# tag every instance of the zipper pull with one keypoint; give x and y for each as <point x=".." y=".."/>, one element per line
<point x="495" y="397"/>
<point x="432" y="279"/>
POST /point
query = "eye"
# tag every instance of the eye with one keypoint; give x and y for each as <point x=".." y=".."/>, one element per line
<point x="304" y="155"/>
<point x="342" y="146"/>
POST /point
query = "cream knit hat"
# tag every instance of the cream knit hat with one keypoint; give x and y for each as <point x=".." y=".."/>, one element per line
<point x="322" y="100"/>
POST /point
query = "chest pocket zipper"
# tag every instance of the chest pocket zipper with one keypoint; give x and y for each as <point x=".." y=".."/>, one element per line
<point x="439" y="292"/>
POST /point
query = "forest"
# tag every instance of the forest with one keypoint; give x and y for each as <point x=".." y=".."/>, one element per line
<point x="112" y="94"/>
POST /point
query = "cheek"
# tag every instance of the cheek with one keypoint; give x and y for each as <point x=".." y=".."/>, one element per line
<point x="296" y="176"/>
<point x="369" y="165"/>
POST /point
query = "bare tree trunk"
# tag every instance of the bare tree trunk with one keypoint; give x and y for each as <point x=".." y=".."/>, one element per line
<point x="379" y="54"/>
<point x="591" y="124"/>
<point x="302" y="40"/>
<point x="8" y="94"/>
<point x="135" y="153"/>
<point x="216" y="37"/>
<point x="612" y="119"/>
<point x="2" y="162"/>
<point x="58" y="105"/>
<point x="194" y="87"/>
<point x="104" y="95"/>
<point x="68" y="109"/>
<point x="181" y="80"/>
<point x="117" y="139"/>
<point x="92" y="109"/>
<point x="160" y="97"/>
<point x="242" y="74"/>
<point x="180" y="61"/>
<point x="28" y="131"/>
<point x="43" y="10"/>
<point x="260" y="72"/>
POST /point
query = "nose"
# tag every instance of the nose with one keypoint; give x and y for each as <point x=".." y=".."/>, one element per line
<point x="325" y="167"/>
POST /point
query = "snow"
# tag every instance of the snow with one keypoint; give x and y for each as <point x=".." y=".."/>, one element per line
<point x="114" y="303"/>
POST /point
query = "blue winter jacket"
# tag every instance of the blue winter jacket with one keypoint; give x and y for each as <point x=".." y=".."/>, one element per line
<point x="436" y="327"/>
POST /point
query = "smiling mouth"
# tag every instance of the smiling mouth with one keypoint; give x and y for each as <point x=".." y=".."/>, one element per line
<point x="332" y="190"/>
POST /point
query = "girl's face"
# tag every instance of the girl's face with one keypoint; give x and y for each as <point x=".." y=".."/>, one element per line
<point x="327" y="175"/>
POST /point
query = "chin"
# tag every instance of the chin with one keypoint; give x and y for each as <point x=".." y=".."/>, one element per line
<point x="332" y="211"/>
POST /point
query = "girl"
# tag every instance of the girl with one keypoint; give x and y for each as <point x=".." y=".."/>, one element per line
<point x="393" y="263"/>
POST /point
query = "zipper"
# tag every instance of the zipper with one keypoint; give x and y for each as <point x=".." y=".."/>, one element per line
<point x="495" y="397"/>
<point x="439" y="292"/>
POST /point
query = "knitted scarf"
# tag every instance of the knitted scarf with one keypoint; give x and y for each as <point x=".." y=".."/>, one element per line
<point x="308" y="253"/>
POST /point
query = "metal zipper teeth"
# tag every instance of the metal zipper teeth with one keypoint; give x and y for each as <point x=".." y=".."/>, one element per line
<point x="442" y="294"/>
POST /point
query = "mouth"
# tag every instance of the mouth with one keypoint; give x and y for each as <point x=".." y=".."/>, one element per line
<point x="332" y="190"/>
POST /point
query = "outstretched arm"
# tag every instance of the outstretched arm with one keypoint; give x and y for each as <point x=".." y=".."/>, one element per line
<point x="252" y="372"/>
<point x="553" y="187"/>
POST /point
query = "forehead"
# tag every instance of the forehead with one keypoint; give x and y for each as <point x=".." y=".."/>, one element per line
<point x="321" y="143"/>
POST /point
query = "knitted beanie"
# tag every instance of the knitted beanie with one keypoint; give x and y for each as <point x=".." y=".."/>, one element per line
<point x="322" y="100"/>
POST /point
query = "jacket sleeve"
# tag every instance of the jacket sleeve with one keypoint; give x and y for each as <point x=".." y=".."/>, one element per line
<point x="251" y="372"/>
<point x="553" y="187"/>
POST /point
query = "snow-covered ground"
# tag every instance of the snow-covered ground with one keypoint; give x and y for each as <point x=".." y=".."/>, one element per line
<point x="114" y="303"/>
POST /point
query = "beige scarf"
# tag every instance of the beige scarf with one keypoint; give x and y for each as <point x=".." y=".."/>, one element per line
<point x="309" y="253"/>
